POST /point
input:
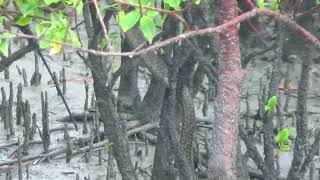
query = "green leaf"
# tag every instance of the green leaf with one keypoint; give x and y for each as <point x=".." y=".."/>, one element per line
<point x="147" y="2"/>
<point x="2" y="18"/>
<point x="267" y="108"/>
<point x="40" y="28"/>
<point x="197" y="2"/>
<point x="114" y="35"/>
<point x="105" y="7"/>
<point x="4" y="49"/>
<point x="152" y="13"/>
<point x="148" y="28"/>
<point x="127" y="21"/>
<point x="271" y="105"/>
<point x="48" y="2"/>
<point x="261" y="3"/>
<point x="2" y="3"/>
<point x="284" y="148"/>
<point x="38" y="13"/>
<point x="23" y="21"/>
<point x="283" y="136"/>
<point x="132" y="1"/>
<point x="79" y="6"/>
<point x="175" y="4"/>
<point x="163" y="19"/>
<point x="6" y="35"/>
<point x="26" y="8"/>
<point x="44" y="44"/>
<point x="292" y="132"/>
<point x="273" y="6"/>
<point x="56" y="49"/>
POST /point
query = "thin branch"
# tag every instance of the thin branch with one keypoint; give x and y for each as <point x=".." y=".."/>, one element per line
<point x="312" y="152"/>
<point x="248" y="58"/>
<point x="254" y="28"/>
<point x="308" y="12"/>
<point x="58" y="88"/>
<point x="104" y="28"/>
<point x="201" y="32"/>
<point x="6" y="62"/>
<point x="252" y="149"/>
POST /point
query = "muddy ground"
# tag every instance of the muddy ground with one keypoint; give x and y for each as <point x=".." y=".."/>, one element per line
<point x="75" y="69"/>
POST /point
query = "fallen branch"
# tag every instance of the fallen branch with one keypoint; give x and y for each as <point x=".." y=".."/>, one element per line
<point x="80" y="150"/>
<point x="77" y="117"/>
<point x="150" y="137"/>
<point x="144" y="128"/>
<point x="14" y="143"/>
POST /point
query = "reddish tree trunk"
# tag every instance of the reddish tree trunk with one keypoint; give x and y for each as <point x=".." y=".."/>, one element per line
<point x="222" y="164"/>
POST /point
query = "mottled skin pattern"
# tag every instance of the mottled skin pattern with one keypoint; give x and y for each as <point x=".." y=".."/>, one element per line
<point x="188" y="124"/>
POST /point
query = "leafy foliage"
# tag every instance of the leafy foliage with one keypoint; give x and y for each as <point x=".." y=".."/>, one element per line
<point x="56" y="28"/>
<point x="4" y="49"/>
<point x="127" y="21"/>
<point x="7" y="35"/>
<point x="52" y="25"/>
<point x="283" y="140"/>
<point x="149" y="19"/>
<point x="271" y="105"/>
<point x="273" y="5"/>
<point x="4" y="46"/>
<point x="148" y="28"/>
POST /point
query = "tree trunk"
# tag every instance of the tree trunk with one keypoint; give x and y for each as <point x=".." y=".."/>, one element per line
<point x="268" y="126"/>
<point x="114" y="128"/>
<point x="222" y="162"/>
<point x="163" y="166"/>
<point x="150" y="107"/>
<point x="169" y="153"/>
<point x="169" y="119"/>
<point x="101" y="70"/>
<point x="242" y="169"/>
<point x="301" y="146"/>
<point x="129" y="95"/>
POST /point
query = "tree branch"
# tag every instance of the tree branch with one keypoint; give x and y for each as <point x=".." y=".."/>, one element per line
<point x="201" y="32"/>
<point x="6" y="62"/>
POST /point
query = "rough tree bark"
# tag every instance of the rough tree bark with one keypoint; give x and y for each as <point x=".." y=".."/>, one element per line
<point x="172" y="154"/>
<point x="129" y="95"/>
<point x="150" y="107"/>
<point x="170" y="129"/>
<point x="163" y="166"/>
<point x="301" y="141"/>
<point x="222" y="162"/>
<point x="301" y="145"/>
<point x="268" y="126"/>
<point x="114" y="128"/>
